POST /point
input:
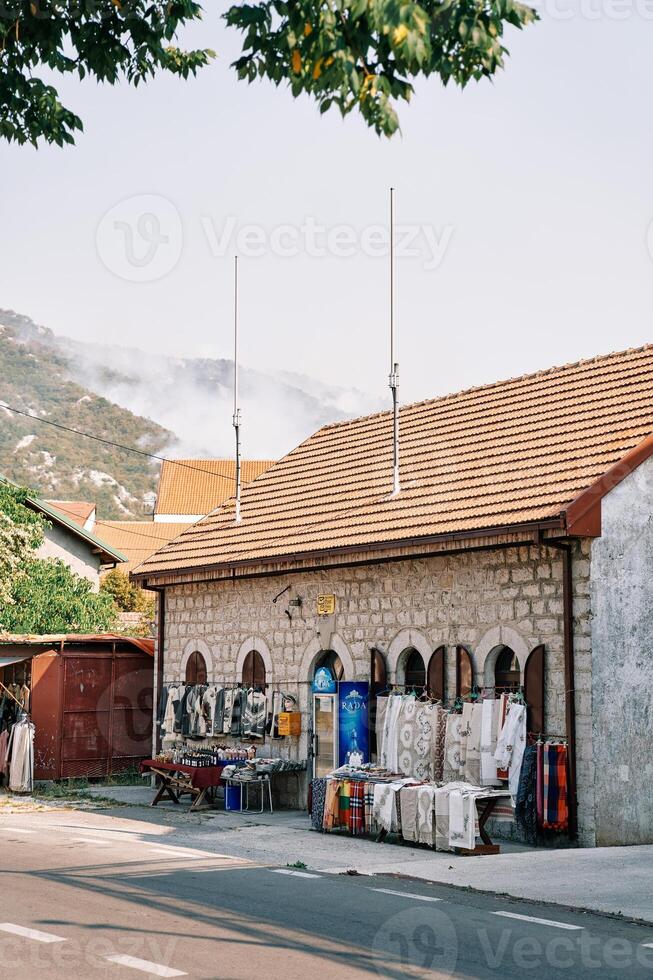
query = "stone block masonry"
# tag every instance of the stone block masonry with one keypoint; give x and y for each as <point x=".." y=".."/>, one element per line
<point x="481" y="599"/>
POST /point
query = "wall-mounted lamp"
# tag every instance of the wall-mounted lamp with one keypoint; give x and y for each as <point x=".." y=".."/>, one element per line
<point x="293" y="604"/>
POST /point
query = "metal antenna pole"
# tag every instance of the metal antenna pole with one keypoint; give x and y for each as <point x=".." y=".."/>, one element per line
<point x="394" y="367"/>
<point x="236" y="417"/>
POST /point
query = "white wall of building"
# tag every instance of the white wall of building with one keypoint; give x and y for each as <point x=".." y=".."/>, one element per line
<point x="75" y="552"/>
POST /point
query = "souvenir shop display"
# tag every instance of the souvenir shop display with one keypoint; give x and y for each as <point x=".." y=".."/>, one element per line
<point x="16" y="733"/>
<point x="259" y="766"/>
<point x="179" y="779"/>
<point x="541" y="802"/>
<point x="195" y="720"/>
<point x="212" y="710"/>
<point x="442" y="773"/>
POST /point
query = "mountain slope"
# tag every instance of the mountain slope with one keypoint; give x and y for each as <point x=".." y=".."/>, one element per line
<point x="84" y="385"/>
<point x="36" y="379"/>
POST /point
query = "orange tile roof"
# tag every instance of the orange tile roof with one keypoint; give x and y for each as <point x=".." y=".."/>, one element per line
<point x="137" y="540"/>
<point x="198" y="486"/>
<point x="505" y="454"/>
<point x="78" y="511"/>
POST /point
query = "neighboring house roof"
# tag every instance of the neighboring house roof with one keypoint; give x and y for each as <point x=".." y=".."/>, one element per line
<point x="78" y="511"/>
<point x="65" y="639"/>
<point x="108" y="555"/>
<point x="137" y="540"/>
<point x="197" y="486"/>
<point x="512" y="454"/>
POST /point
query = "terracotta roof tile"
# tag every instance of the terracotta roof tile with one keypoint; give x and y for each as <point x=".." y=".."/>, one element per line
<point x="137" y="540"/>
<point x="78" y="511"/>
<point x="198" y="486"/>
<point x="509" y="453"/>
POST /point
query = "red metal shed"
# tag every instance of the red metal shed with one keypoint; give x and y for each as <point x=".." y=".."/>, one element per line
<point x="91" y="700"/>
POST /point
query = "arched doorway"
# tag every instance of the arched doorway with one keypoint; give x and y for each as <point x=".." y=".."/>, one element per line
<point x="327" y="672"/>
<point x="332" y="662"/>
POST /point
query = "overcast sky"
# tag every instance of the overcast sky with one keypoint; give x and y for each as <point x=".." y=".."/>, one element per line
<point x="529" y="201"/>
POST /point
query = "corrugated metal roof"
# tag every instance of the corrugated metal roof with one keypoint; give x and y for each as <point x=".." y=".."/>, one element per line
<point x="198" y="486"/>
<point x="34" y="639"/>
<point x="510" y="453"/>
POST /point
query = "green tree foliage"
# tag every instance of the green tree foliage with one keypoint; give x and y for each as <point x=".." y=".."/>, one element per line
<point x="50" y="598"/>
<point x="106" y="39"/>
<point x="127" y="596"/>
<point x="40" y="595"/>
<point x="21" y="530"/>
<point x="362" y="54"/>
<point x="366" y="54"/>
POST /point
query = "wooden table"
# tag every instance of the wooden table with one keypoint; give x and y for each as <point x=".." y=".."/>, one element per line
<point x="485" y="811"/>
<point x="199" y="782"/>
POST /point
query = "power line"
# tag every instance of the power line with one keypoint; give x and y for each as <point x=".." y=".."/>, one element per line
<point x="123" y="530"/>
<point x="115" y="445"/>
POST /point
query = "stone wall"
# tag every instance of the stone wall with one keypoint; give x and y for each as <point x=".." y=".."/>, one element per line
<point x="480" y="599"/>
<point x="622" y="654"/>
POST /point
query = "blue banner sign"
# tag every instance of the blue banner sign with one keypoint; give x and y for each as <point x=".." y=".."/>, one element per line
<point x="353" y="732"/>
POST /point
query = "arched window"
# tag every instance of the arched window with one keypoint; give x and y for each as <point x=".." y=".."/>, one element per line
<point x="331" y="660"/>
<point x="507" y="676"/>
<point x="196" y="669"/>
<point x="253" y="670"/>
<point x="415" y="672"/>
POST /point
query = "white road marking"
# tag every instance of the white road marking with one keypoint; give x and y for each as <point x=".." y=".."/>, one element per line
<point x="539" y="922"/>
<point x="647" y="945"/>
<point x="40" y="937"/>
<point x="418" y="898"/>
<point x="289" y="871"/>
<point x="154" y="969"/>
<point x="17" y="830"/>
<point x="87" y="840"/>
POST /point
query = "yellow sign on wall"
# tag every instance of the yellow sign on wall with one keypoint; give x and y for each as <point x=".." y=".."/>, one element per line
<point x="326" y="605"/>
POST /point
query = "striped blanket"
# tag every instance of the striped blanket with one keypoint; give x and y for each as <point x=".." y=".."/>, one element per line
<point x="555" y="811"/>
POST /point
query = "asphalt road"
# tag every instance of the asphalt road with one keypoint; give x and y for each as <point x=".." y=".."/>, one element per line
<point x="85" y="898"/>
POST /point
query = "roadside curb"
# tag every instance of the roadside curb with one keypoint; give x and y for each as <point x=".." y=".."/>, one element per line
<point x="584" y="909"/>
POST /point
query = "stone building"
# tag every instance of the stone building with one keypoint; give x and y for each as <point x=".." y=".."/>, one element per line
<point x="519" y="551"/>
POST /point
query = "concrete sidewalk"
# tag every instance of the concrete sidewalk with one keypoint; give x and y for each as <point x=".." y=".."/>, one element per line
<point x="613" y="880"/>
